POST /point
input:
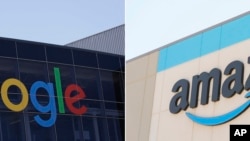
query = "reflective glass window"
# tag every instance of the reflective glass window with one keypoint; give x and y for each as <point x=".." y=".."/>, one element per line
<point x="116" y="129"/>
<point x="67" y="74"/>
<point x="7" y="48"/>
<point x="30" y="51"/>
<point x="59" y="54"/>
<point x="88" y="79"/>
<point x="39" y="133"/>
<point x="95" y="129"/>
<point x="109" y="62"/>
<point x="31" y="72"/>
<point x="8" y="69"/>
<point x="122" y="62"/>
<point x="113" y="89"/>
<point x="12" y="126"/>
<point x="84" y="58"/>
<point x="114" y="106"/>
<point x="114" y="109"/>
<point x="65" y="129"/>
<point x="94" y="108"/>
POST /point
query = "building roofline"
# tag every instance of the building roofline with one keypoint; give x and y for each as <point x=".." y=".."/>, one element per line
<point x="193" y="34"/>
<point x="54" y="45"/>
<point x="96" y="34"/>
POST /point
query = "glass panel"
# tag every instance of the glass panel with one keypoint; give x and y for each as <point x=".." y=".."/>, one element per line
<point x="12" y="127"/>
<point x="85" y="58"/>
<point x="95" y="129"/>
<point x="94" y="108"/>
<point x="66" y="72"/>
<point x="109" y="62"/>
<point x="114" y="106"/>
<point x="122" y="61"/>
<point x="31" y="72"/>
<point x="89" y="81"/>
<point x="67" y="77"/>
<point x="39" y="133"/>
<point x="65" y="129"/>
<point x="116" y="129"/>
<point x="42" y="100"/>
<point x="7" y="48"/>
<point x="59" y="54"/>
<point x="9" y="70"/>
<point x="114" y="109"/>
<point x="113" y="89"/>
<point x="30" y="51"/>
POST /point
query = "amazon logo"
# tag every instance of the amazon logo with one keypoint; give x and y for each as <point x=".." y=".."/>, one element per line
<point x="186" y="96"/>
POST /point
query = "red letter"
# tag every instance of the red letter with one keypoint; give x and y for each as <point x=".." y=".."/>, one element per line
<point x="70" y="100"/>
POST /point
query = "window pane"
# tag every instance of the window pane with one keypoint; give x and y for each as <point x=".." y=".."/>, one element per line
<point x="9" y="70"/>
<point x="39" y="133"/>
<point x="113" y="89"/>
<point x="95" y="129"/>
<point x="122" y="61"/>
<point x="30" y="51"/>
<point x="94" y="108"/>
<point x="114" y="109"/>
<point x="109" y="62"/>
<point x="85" y="58"/>
<point x="12" y="126"/>
<point x="58" y="54"/>
<point x="116" y="129"/>
<point x="31" y="71"/>
<point x="65" y="129"/>
<point x="67" y="75"/>
<point x="89" y="81"/>
<point x="7" y="48"/>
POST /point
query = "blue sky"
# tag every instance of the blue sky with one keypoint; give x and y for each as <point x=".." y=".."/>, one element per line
<point x="58" y="21"/>
<point x="153" y="24"/>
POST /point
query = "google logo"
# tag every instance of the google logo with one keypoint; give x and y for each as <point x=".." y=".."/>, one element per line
<point x="51" y="106"/>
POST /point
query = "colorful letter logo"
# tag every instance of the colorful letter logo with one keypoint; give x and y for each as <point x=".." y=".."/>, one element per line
<point x="51" y="106"/>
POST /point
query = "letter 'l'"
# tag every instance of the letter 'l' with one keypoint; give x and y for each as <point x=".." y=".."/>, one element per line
<point x="59" y="90"/>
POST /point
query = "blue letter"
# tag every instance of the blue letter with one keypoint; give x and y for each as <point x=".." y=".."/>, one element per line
<point x="51" y="107"/>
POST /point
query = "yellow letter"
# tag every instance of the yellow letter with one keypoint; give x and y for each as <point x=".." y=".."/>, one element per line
<point x="4" y="91"/>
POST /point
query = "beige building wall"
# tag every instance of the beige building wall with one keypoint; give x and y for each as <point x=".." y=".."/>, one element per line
<point x="178" y="127"/>
<point x="148" y="94"/>
<point x="149" y="91"/>
<point x="140" y="87"/>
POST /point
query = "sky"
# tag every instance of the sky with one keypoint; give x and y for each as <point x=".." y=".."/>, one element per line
<point x="151" y="24"/>
<point x="58" y="21"/>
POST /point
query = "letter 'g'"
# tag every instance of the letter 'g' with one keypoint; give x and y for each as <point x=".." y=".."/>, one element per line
<point x="50" y="107"/>
<point x="4" y="93"/>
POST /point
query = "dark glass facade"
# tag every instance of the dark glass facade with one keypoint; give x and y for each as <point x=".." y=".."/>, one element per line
<point x="100" y="75"/>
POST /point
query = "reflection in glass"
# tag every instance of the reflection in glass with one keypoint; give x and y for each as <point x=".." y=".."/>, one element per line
<point x="8" y="69"/>
<point x="12" y="127"/>
<point x="94" y="108"/>
<point x="31" y="51"/>
<point x="85" y="58"/>
<point x="116" y="129"/>
<point x="65" y="129"/>
<point x="112" y="86"/>
<point x="8" y="48"/>
<point x="89" y="81"/>
<point x="109" y="62"/>
<point x="39" y="133"/>
<point x="66" y="72"/>
<point x="95" y="129"/>
<point x="31" y="72"/>
<point x="59" y="54"/>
